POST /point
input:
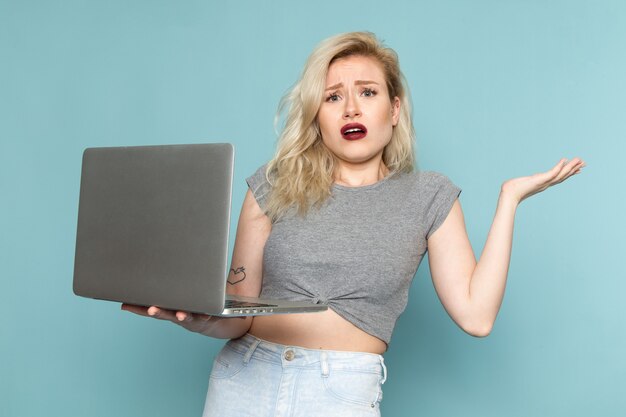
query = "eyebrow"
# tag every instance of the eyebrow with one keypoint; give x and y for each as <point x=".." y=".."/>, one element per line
<point x="357" y="82"/>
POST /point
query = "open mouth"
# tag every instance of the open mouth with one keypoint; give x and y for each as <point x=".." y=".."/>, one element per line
<point x="353" y="131"/>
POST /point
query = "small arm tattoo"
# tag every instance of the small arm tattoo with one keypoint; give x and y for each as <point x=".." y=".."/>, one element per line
<point x="238" y="275"/>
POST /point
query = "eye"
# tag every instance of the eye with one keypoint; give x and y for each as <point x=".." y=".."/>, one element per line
<point x="332" y="97"/>
<point x="368" y="92"/>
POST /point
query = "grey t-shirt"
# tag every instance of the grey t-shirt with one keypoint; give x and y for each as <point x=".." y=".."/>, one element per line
<point x="358" y="253"/>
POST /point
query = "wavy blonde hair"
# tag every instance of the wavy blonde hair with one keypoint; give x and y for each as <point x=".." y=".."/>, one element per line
<point x="302" y="171"/>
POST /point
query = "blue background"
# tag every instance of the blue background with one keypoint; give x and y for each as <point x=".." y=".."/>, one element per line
<point x="500" y="89"/>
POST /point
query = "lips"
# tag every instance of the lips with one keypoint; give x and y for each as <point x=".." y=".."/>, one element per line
<point x="353" y="131"/>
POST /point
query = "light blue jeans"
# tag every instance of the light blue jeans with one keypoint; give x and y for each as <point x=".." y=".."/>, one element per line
<point x="252" y="377"/>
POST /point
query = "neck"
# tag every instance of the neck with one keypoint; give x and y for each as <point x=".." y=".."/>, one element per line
<point x="357" y="175"/>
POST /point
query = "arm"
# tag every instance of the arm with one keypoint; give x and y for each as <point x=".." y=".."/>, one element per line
<point x="472" y="292"/>
<point x="253" y="230"/>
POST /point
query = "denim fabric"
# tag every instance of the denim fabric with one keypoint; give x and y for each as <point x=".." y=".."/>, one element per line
<point x="252" y="377"/>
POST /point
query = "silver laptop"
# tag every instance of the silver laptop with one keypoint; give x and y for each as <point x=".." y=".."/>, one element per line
<point x="153" y="225"/>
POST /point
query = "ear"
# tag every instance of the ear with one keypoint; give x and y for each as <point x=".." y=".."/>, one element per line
<point x="395" y="111"/>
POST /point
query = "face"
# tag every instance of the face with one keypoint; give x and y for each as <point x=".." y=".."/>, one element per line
<point x="357" y="115"/>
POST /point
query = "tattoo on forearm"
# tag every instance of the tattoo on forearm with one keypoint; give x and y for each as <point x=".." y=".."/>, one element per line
<point x="236" y="275"/>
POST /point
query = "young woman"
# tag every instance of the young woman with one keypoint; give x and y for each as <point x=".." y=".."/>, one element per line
<point x="340" y="216"/>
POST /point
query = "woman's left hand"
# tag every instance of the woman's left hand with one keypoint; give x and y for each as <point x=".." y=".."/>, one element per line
<point x="521" y="188"/>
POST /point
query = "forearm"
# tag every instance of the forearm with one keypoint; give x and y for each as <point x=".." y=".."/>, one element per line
<point x="489" y="277"/>
<point x="471" y="291"/>
<point x="227" y="328"/>
<point x="488" y="281"/>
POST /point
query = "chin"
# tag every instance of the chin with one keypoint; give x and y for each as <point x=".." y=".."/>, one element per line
<point x="357" y="158"/>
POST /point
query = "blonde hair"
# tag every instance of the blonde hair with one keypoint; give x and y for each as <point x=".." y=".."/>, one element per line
<point x="302" y="170"/>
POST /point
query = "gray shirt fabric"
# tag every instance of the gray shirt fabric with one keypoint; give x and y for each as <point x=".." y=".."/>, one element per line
<point x="358" y="253"/>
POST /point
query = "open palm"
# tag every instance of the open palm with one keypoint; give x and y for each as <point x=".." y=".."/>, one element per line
<point x="524" y="187"/>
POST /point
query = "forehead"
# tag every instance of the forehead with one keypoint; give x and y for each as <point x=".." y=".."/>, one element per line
<point x="355" y="67"/>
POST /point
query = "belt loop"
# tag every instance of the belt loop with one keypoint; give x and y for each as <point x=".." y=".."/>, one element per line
<point x="251" y="350"/>
<point x="382" y="363"/>
<point x="324" y="360"/>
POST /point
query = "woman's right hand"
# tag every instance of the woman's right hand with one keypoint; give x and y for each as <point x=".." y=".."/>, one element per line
<point x="199" y="323"/>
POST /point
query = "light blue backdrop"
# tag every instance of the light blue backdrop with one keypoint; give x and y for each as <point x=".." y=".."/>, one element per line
<point x="500" y="89"/>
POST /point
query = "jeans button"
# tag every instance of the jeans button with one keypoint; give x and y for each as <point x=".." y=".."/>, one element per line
<point x="289" y="355"/>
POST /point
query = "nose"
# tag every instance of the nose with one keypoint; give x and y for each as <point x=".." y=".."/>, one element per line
<point x="351" y="109"/>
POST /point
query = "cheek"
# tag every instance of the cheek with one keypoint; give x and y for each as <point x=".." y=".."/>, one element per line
<point x="324" y="123"/>
<point x="385" y="118"/>
<point x="385" y="122"/>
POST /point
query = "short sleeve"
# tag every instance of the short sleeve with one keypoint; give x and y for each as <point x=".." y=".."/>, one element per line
<point x="440" y="195"/>
<point x="259" y="186"/>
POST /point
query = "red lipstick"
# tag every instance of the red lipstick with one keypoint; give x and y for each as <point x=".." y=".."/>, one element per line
<point x="353" y="131"/>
